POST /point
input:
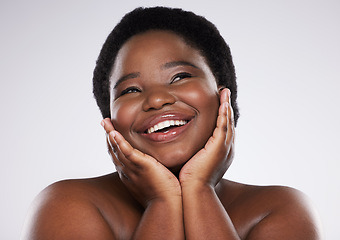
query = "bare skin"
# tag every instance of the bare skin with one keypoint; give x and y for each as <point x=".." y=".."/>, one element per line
<point x="168" y="183"/>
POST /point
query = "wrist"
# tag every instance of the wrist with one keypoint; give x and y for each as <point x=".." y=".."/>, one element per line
<point x="197" y="187"/>
<point x="168" y="202"/>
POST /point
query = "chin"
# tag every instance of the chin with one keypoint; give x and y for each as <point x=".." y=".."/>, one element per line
<point x="175" y="161"/>
<point x="175" y="168"/>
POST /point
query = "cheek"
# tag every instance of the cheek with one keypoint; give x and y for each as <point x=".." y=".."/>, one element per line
<point x="122" y="116"/>
<point x="204" y="98"/>
<point x="208" y="111"/>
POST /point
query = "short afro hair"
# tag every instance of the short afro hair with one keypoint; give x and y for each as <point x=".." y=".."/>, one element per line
<point x="197" y="31"/>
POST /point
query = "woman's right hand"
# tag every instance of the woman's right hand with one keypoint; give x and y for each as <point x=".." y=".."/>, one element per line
<point x="147" y="179"/>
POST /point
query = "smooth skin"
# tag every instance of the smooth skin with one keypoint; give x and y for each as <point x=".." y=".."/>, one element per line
<point x="173" y="188"/>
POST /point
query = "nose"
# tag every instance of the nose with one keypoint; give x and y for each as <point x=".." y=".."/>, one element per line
<point x="157" y="98"/>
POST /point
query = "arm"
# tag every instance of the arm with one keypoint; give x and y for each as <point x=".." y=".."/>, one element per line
<point x="204" y="214"/>
<point x="288" y="214"/>
<point x="162" y="219"/>
<point x="152" y="184"/>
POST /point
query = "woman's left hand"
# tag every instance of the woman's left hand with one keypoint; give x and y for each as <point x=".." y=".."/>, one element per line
<point x="208" y="165"/>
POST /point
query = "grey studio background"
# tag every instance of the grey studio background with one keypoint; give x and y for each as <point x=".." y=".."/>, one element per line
<point x="287" y="59"/>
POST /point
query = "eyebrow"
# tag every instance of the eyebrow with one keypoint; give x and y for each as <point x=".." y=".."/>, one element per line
<point x="177" y="63"/>
<point x="126" y="77"/>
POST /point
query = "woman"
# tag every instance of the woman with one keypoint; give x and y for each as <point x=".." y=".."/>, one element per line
<point x="166" y="86"/>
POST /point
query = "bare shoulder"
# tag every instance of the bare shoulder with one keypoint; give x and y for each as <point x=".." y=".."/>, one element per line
<point x="270" y="212"/>
<point x="76" y="209"/>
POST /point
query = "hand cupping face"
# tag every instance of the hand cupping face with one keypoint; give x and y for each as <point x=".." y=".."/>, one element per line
<point x="164" y="97"/>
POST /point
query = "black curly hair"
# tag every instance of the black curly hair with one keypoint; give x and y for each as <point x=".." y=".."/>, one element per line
<point x="198" y="32"/>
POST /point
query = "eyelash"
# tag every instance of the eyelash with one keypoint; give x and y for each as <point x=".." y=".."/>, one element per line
<point x="173" y="80"/>
<point x="181" y="76"/>
<point x="129" y="90"/>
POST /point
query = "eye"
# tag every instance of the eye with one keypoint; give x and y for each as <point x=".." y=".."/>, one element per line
<point x="130" y="90"/>
<point x="180" y="76"/>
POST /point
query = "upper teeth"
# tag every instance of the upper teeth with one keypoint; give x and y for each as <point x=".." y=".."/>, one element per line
<point x="165" y="124"/>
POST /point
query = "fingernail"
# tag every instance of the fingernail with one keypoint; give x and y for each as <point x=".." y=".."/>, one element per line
<point x="102" y="123"/>
<point x="113" y="134"/>
<point x="228" y="93"/>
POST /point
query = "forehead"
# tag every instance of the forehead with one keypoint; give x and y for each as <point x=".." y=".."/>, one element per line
<point x="155" y="38"/>
<point x="155" y="46"/>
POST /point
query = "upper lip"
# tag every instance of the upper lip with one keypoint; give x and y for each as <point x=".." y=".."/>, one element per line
<point x="160" y="117"/>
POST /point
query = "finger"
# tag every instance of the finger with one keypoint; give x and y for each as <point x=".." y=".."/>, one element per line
<point x="223" y="133"/>
<point x="222" y="118"/>
<point x="107" y="124"/>
<point x="108" y="127"/>
<point x="218" y="139"/>
<point x="112" y="145"/>
<point x="223" y="110"/>
<point x="231" y="123"/>
<point x="134" y="156"/>
<point x="224" y="95"/>
<point x="116" y="157"/>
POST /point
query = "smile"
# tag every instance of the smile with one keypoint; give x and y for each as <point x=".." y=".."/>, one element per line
<point x="165" y="125"/>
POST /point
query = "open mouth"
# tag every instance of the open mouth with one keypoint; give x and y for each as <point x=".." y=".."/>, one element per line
<point x="167" y="130"/>
<point x="166" y="126"/>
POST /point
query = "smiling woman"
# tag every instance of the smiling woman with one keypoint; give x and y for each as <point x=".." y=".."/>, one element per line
<point x="173" y="84"/>
<point x="165" y="84"/>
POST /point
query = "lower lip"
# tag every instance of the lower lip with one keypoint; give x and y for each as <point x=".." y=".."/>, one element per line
<point x="168" y="135"/>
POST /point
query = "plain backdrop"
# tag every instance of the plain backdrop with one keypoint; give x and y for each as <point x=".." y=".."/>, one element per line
<point x="286" y="54"/>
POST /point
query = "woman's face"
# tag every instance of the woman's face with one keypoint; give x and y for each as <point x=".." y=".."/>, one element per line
<point x="164" y="97"/>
